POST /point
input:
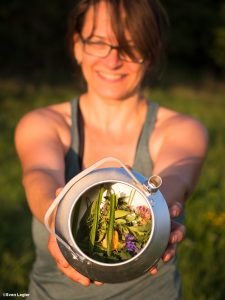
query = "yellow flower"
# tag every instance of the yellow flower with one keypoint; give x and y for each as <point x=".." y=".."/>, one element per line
<point x="216" y="219"/>
<point x="115" y="241"/>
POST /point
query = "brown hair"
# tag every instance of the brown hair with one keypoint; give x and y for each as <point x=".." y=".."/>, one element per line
<point x="146" y="21"/>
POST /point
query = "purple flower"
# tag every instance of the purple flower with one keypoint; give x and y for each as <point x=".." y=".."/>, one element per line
<point x="129" y="237"/>
<point x="131" y="247"/>
<point x="130" y="243"/>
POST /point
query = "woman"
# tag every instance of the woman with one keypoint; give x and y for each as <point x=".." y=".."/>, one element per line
<point x="115" y="43"/>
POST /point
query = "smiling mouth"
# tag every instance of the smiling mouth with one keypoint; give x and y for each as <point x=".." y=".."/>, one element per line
<point x="111" y="77"/>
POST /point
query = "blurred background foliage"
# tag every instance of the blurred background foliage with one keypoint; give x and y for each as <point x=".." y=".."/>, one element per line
<point x="36" y="70"/>
<point x="33" y="35"/>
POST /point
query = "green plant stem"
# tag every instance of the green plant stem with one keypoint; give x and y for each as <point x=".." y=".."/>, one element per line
<point x="96" y="215"/>
<point x="113" y="200"/>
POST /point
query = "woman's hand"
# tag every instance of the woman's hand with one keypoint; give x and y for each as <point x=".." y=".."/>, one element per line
<point x="177" y="235"/>
<point x="62" y="263"/>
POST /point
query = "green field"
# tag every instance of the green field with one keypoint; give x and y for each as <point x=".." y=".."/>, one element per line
<point x="201" y="255"/>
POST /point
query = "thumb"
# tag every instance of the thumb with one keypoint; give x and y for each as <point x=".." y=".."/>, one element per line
<point x="58" y="190"/>
<point x="55" y="251"/>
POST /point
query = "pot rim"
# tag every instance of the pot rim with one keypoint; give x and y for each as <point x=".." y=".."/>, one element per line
<point x="96" y="262"/>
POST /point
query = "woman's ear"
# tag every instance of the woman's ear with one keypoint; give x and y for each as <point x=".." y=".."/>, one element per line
<point x="77" y="48"/>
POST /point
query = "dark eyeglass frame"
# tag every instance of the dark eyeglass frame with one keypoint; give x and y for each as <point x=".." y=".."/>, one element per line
<point x="111" y="47"/>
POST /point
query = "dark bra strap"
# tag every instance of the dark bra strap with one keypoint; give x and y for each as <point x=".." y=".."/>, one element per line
<point x="76" y="130"/>
<point x="80" y="126"/>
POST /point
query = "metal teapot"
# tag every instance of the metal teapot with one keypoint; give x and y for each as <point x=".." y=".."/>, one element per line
<point x="71" y="205"/>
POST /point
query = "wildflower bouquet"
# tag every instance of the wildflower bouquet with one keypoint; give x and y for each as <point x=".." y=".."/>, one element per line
<point x="112" y="230"/>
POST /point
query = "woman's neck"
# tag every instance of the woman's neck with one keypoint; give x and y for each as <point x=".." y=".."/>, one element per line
<point x="112" y="115"/>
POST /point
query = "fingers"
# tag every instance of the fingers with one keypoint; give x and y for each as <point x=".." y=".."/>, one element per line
<point x="178" y="231"/>
<point x="167" y="256"/>
<point x="175" y="209"/>
<point x="129" y="167"/>
<point x="170" y="252"/>
<point x="176" y="236"/>
<point x="51" y="220"/>
<point x="63" y="265"/>
<point x="98" y="283"/>
<point x="55" y="251"/>
<point x="58" y="190"/>
<point x="153" y="270"/>
<point x="71" y="273"/>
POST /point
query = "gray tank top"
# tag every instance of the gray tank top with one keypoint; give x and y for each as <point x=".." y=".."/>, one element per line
<point x="142" y="162"/>
<point x="47" y="282"/>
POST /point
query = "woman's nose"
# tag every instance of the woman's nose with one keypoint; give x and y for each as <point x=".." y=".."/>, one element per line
<point x="113" y="59"/>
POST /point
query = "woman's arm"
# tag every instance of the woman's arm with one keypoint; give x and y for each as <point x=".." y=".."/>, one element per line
<point x="178" y="161"/>
<point x="41" y="153"/>
<point x="42" y="139"/>
<point x="180" y="157"/>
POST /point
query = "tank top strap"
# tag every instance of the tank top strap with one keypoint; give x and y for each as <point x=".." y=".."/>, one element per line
<point x="143" y="162"/>
<point x="74" y="127"/>
<point x="72" y="159"/>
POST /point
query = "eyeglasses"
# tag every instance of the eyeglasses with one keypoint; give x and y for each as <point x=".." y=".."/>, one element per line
<point x="101" y="49"/>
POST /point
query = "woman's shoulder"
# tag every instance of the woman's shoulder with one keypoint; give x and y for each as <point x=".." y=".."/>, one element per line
<point x="175" y="131"/>
<point x="58" y="114"/>
<point x="48" y="113"/>
<point x="51" y="122"/>
<point x="172" y="121"/>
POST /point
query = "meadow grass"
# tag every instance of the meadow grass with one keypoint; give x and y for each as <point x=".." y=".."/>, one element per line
<point x="201" y="255"/>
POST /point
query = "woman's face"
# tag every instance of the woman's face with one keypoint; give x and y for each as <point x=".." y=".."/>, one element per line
<point x="108" y="77"/>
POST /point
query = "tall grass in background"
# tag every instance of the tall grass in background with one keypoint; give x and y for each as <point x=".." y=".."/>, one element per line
<point x="201" y="255"/>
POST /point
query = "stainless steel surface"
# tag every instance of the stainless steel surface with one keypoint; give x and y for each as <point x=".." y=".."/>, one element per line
<point x="71" y="206"/>
<point x="153" y="184"/>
